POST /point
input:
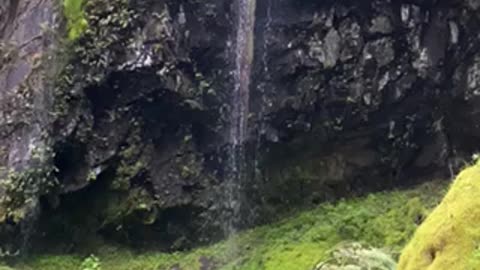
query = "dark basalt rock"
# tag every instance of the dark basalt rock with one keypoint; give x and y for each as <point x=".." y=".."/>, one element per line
<point x="125" y="133"/>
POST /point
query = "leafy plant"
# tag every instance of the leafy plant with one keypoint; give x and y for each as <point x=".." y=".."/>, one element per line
<point x="75" y="15"/>
<point x="91" y="263"/>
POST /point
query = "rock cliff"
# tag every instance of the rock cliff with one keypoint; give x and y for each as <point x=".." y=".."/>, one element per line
<point x="114" y="115"/>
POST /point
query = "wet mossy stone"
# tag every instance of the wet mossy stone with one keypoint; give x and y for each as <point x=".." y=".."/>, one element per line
<point x="450" y="237"/>
<point x="355" y="256"/>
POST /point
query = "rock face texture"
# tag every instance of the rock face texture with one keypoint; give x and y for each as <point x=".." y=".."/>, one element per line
<point x="123" y="130"/>
<point x="26" y="37"/>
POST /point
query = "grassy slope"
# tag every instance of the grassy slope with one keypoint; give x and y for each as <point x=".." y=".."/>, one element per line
<point x="297" y="242"/>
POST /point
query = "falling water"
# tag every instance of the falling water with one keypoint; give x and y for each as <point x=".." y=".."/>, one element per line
<point x="243" y="67"/>
<point x="244" y="45"/>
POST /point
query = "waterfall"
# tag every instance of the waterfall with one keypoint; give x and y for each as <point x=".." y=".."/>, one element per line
<point x="243" y="67"/>
<point x="243" y="56"/>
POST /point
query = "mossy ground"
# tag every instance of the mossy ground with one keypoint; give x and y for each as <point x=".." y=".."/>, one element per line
<point x="450" y="236"/>
<point x="300" y="241"/>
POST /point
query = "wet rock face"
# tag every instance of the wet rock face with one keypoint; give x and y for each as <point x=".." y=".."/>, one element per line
<point x="26" y="29"/>
<point x="346" y="97"/>
<point x="375" y="82"/>
<point x="144" y="121"/>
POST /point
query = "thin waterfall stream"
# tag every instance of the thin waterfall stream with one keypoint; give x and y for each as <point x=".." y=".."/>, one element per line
<point x="243" y="54"/>
<point x="243" y="67"/>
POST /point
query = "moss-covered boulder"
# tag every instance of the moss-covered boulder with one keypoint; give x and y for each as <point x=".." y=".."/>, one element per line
<point x="450" y="237"/>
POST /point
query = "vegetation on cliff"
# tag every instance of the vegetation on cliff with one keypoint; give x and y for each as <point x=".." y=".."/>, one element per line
<point x="75" y="16"/>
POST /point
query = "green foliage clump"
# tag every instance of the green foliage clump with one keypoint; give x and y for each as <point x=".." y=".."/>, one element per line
<point x="22" y="188"/>
<point x="106" y="28"/>
<point x="91" y="263"/>
<point x="131" y="164"/>
<point x="109" y="32"/>
<point x="76" y="20"/>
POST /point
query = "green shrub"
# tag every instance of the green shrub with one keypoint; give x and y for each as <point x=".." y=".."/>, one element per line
<point x="91" y="263"/>
<point x="75" y="15"/>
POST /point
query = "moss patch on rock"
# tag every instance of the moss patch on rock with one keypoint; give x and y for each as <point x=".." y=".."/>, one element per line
<point x="300" y="241"/>
<point x="450" y="237"/>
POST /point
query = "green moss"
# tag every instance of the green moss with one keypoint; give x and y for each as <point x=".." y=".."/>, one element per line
<point x="53" y="263"/>
<point x="76" y="19"/>
<point x="474" y="260"/>
<point x="298" y="242"/>
<point x="450" y="237"/>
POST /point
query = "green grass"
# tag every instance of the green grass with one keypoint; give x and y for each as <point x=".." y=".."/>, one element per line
<point x="299" y="242"/>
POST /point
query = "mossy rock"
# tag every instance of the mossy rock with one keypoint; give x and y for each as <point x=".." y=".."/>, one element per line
<point x="355" y="256"/>
<point x="450" y="237"/>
